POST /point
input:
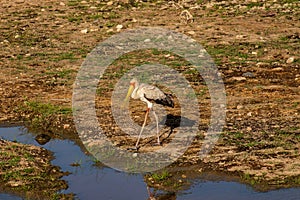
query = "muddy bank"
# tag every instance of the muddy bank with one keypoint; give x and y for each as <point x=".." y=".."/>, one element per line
<point x="26" y="170"/>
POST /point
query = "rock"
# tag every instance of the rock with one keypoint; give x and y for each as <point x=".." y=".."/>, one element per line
<point x="240" y="36"/>
<point x="66" y="126"/>
<point x="110" y="3"/>
<point x="20" y="1"/>
<point x="248" y="75"/>
<point x="249" y="128"/>
<point x="94" y="29"/>
<point x="262" y="64"/>
<point x="239" y="107"/>
<point x="290" y="60"/>
<point x="277" y="69"/>
<point x="239" y="78"/>
<point x="275" y="64"/>
<point x="191" y="32"/>
<point x="119" y="27"/>
<point x="84" y="31"/>
<point x="147" y="40"/>
<point x="134" y="155"/>
<point x="62" y="4"/>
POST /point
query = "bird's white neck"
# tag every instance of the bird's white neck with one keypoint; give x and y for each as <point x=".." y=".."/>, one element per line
<point x="134" y="93"/>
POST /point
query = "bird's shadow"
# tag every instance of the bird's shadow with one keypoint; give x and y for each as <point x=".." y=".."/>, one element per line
<point x="171" y="121"/>
<point x="174" y="121"/>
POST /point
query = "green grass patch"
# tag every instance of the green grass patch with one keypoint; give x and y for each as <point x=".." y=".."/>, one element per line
<point x="41" y="114"/>
<point x="65" y="73"/>
<point x="64" y="56"/>
<point x="254" y="4"/>
<point x="162" y="176"/>
<point x="45" y="108"/>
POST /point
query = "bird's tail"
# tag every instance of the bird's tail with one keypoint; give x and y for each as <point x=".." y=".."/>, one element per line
<point x="167" y="101"/>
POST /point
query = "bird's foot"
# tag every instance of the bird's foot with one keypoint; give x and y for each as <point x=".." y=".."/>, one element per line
<point x="157" y="144"/>
<point x="136" y="148"/>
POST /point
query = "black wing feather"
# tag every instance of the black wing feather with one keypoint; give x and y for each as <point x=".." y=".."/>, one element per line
<point x="167" y="101"/>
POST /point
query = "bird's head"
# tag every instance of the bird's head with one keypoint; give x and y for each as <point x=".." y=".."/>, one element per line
<point x="133" y="83"/>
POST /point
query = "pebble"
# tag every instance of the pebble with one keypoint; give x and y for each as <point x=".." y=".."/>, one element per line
<point x="66" y="126"/>
<point x="110" y="3"/>
<point x="14" y="184"/>
<point x="261" y="64"/>
<point x="290" y="60"/>
<point x="191" y="32"/>
<point x="147" y="40"/>
<point x="119" y="27"/>
<point x="84" y="31"/>
<point x="20" y="1"/>
<point x="277" y="69"/>
<point x="134" y="155"/>
<point x="240" y="36"/>
<point x="62" y="4"/>
<point x="248" y="75"/>
<point x="94" y="29"/>
<point x="249" y="128"/>
<point x="239" y="107"/>
<point x="240" y="78"/>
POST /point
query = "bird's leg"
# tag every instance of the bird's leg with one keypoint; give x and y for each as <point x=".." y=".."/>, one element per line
<point x="157" y="130"/>
<point x="145" y="120"/>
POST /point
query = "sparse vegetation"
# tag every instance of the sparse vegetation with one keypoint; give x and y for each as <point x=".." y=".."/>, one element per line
<point x="24" y="174"/>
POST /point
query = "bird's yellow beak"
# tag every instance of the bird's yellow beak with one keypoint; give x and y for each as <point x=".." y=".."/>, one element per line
<point x="130" y="90"/>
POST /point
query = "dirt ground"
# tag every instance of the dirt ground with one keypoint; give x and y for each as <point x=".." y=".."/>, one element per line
<point x="25" y="169"/>
<point x="254" y="43"/>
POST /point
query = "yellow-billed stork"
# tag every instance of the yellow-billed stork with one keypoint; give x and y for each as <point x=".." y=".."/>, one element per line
<point x="148" y="94"/>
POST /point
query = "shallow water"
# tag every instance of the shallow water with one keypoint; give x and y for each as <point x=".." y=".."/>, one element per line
<point x="93" y="182"/>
